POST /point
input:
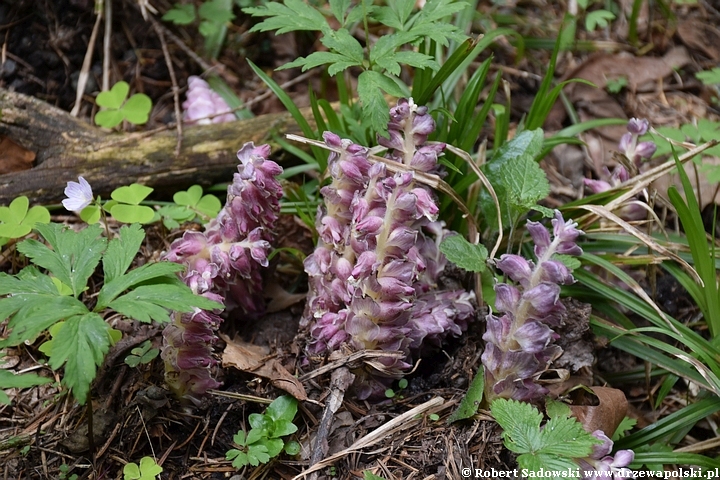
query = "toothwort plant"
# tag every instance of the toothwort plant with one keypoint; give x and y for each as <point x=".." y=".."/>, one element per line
<point x="224" y="264"/>
<point x="374" y="274"/>
<point x="600" y="464"/>
<point x="519" y="342"/>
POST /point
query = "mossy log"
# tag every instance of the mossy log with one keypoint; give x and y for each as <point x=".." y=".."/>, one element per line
<point x="66" y="147"/>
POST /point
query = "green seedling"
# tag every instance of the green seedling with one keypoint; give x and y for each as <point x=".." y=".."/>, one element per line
<point x="615" y="85"/>
<point x="709" y="77"/>
<point x="125" y="204"/>
<point x="264" y="441"/>
<point x="18" y="221"/>
<point x="80" y="337"/>
<point x="402" y="385"/>
<point x="147" y="470"/>
<point x="141" y="355"/>
<point x="598" y="18"/>
<point x="64" y="470"/>
<point x="117" y="107"/>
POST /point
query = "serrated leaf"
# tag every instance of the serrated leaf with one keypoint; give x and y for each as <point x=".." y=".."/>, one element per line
<point x="121" y="251"/>
<point x="464" y="254"/>
<point x="598" y="18"/>
<point x="114" y="97"/>
<point x="161" y="271"/>
<point x="525" y="182"/>
<point x="473" y="398"/>
<point x="153" y="302"/>
<point x="131" y="194"/>
<point x="80" y="345"/>
<point x="291" y="16"/>
<point x="396" y="14"/>
<point x="340" y="41"/>
<point x="180" y="14"/>
<point x="74" y="255"/>
<point x="338" y="9"/>
<point x="137" y="109"/>
<point x="520" y="422"/>
<point x="370" y="88"/>
<point x="428" y="22"/>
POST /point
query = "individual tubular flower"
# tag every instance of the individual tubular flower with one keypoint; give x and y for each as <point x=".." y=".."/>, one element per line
<point x="519" y="342"/>
<point x="635" y="152"/>
<point x="223" y="263"/>
<point x="203" y="105"/>
<point x="600" y="464"/>
<point x="374" y="273"/>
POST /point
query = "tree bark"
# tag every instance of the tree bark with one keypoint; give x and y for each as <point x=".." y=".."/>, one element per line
<point x="67" y="147"/>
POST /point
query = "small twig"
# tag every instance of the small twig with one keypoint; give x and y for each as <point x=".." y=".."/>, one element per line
<point x="364" y="355"/>
<point x="106" y="46"/>
<point x="85" y="70"/>
<point x="176" y="90"/>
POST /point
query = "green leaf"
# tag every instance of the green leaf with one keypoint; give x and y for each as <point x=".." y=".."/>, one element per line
<point x="292" y="448"/>
<point x="525" y="182"/>
<point x="598" y="18"/>
<point x="114" y="97"/>
<point x="283" y="408"/>
<point x="216" y="11"/>
<point x="472" y="399"/>
<point x="162" y="271"/>
<point x="257" y="454"/>
<point x="149" y="469"/>
<point x="131" y="194"/>
<point x="137" y="109"/>
<point x="152" y="302"/>
<point x="74" y="255"/>
<point x="239" y="438"/>
<point x="80" y="344"/>
<point x="132" y="213"/>
<point x="428" y="22"/>
<point x="368" y="475"/>
<point x="273" y="446"/>
<point x="180" y="14"/>
<point x="18" y="221"/>
<point x="550" y="447"/>
<point x="131" y="471"/>
<point x="338" y="9"/>
<point x="9" y="379"/>
<point x="90" y="214"/>
<point x="345" y="44"/>
<point x="396" y="14"/>
<point x="464" y="254"/>
<point x="291" y="16"/>
<point x="370" y="88"/>
<point x="121" y="251"/>
<point x="109" y="118"/>
<point x="709" y="77"/>
<point x="239" y="459"/>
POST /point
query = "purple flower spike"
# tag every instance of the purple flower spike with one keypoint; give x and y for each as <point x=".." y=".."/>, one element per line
<point x="600" y="464"/>
<point x="224" y="264"/>
<point x="373" y="276"/>
<point x="638" y="126"/>
<point x="519" y="343"/>
<point x="203" y="106"/>
<point x="79" y="195"/>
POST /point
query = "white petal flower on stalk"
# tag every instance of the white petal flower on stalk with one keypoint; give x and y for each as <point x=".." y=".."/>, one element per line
<point x="79" y="195"/>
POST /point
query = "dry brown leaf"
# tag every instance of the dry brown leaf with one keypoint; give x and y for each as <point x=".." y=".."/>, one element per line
<point x="611" y="408"/>
<point x="256" y="359"/>
<point x="13" y="157"/>
<point x="700" y="36"/>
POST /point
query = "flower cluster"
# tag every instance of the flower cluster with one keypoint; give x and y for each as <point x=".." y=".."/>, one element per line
<point x="374" y="274"/>
<point x="635" y="152"/>
<point x="224" y="264"/>
<point x="601" y="465"/>
<point x="519" y="342"/>
<point x="203" y="106"/>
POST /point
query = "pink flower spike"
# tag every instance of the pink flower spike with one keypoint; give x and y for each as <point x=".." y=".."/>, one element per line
<point x="79" y="195"/>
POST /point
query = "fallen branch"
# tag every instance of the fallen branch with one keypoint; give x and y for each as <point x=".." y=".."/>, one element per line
<point x="67" y="147"/>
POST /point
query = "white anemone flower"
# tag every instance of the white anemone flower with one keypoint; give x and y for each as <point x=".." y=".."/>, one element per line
<point x="79" y="195"/>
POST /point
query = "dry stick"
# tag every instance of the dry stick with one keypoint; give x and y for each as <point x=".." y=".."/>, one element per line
<point x="85" y="70"/>
<point x="106" y="46"/>
<point x="176" y="90"/>
<point x="340" y="381"/>
<point x="403" y="422"/>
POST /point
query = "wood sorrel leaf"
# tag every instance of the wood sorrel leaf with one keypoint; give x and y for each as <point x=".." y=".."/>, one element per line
<point x="114" y="97"/>
<point x="131" y="194"/>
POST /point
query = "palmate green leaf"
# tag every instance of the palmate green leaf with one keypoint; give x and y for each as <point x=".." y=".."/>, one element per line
<point x="340" y="41"/>
<point x="520" y="422"/>
<point x="144" y="273"/>
<point x="336" y="62"/>
<point x="80" y="344"/>
<point x="289" y="16"/>
<point x="464" y="254"/>
<point x="370" y="88"/>
<point x="428" y="21"/>
<point x="74" y="255"/>
<point x="180" y="14"/>
<point x="396" y="14"/>
<point x="152" y="302"/>
<point x="339" y="9"/>
<point x="122" y="250"/>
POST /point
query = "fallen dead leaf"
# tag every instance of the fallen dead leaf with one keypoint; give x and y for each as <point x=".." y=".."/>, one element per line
<point x="700" y="36"/>
<point x="611" y="408"/>
<point x="256" y="359"/>
<point x="13" y="157"/>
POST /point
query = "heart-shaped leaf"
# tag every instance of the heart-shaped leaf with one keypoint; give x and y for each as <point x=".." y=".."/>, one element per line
<point x="133" y="213"/>
<point x="17" y="221"/>
<point x="132" y="194"/>
<point x="137" y="109"/>
<point x="209" y="205"/>
<point x="114" y="97"/>
<point x="109" y="118"/>
<point x="190" y="198"/>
